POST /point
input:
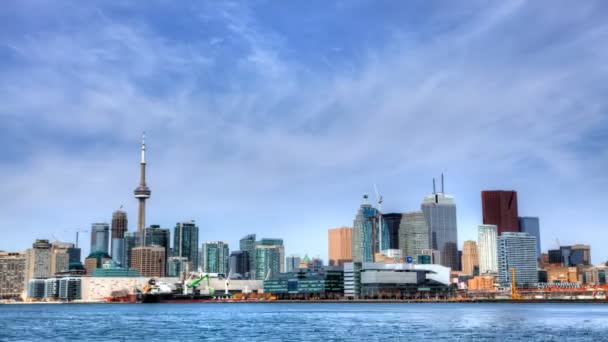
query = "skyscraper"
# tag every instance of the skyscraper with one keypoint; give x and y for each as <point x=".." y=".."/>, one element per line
<point x="531" y="226"/>
<point x="149" y="261"/>
<point x="393" y="222"/>
<point x="38" y="260"/>
<point x="142" y="192"/>
<point x="185" y="243"/>
<point x="278" y="243"/>
<point x="247" y="245"/>
<point x="366" y="234"/>
<point x="470" y="259"/>
<point x="292" y="263"/>
<point x="216" y="257"/>
<point x="440" y="213"/>
<point x="517" y="251"/>
<point x="100" y="237"/>
<point x="487" y="251"/>
<point x="268" y="260"/>
<point x="60" y="256"/>
<point x="119" y="228"/>
<point x="340" y="245"/>
<point x="238" y="263"/>
<point x="499" y="208"/>
<point x="413" y="234"/>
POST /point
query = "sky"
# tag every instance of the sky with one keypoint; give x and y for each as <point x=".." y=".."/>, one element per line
<point x="275" y="118"/>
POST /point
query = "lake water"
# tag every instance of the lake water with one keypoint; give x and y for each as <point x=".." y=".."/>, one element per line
<point x="305" y="322"/>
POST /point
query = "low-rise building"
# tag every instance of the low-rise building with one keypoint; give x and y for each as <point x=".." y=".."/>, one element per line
<point x="305" y="284"/>
<point x="481" y="283"/>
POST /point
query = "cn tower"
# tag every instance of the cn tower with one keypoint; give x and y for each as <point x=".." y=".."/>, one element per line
<point x="142" y="193"/>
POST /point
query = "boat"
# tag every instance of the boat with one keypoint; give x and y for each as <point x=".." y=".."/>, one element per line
<point x="161" y="292"/>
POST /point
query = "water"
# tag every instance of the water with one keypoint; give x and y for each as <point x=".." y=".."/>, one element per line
<point x="305" y="322"/>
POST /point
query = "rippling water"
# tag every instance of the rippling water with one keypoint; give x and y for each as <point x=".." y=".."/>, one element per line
<point x="305" y="322"/>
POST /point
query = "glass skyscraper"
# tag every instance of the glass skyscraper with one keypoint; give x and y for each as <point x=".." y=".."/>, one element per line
<point x="366" y="234"/>
<point x="185" y="243"/>
<point x="413" y="235"/>
<point x="531" y="226"/>
<point x="268" y="260"/>
<point x="487" y="251"/>
<point x="247" y="245"/>
<point x="440" y="213"/>
<point x="517" y="251"/>
<point x="100" y="237"/>
<point x="216" y="257"/>
<point x="393" y="222"/>
<point x="292" y="263"/>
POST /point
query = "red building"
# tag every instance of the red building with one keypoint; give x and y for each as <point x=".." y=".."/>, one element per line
<point x="499" y="208"/>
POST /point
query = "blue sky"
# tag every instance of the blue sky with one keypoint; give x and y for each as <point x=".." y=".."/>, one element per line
<point x="275" y="117"/>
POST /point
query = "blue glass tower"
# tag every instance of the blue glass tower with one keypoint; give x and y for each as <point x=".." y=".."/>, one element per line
<point x="366" y="234"/>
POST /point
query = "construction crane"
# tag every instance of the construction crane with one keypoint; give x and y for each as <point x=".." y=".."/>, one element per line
<point x="379" y="199"/>
<point x="514" y="293"/>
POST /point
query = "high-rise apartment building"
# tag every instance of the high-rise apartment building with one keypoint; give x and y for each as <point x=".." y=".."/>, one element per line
<point x="340" y="245"/>
<point x="292" y="263"/>
<point x="100" y="237"/>
<point x="216" y="256"/>
<point x="12" y="274"/>
<point x="149" y="261"/>
<point x="440" y="213"/>
<point x="470" y="259"/>
<point x="268" y="261"/>
<point x="38" y="260"/>
<point x="247" y="246"/>
<point x="239" y="263"/>
<point x="413" y="235"/>
<point x="119" y="228"/>
<point x="393" y="222"/>
<point x="517" y="251"/>
<point x="487" y="249"/>
<point x="278" y="243"/>
<point x="154" y="236"/>
<point x="367" y="234"/>
<point x="499" y="207"/>
<point x="531" y="226"/>
<point x="185" y="243"/>
<point x="60" y="256"/>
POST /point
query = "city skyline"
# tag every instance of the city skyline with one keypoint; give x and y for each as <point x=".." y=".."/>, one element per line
<point x="238" y="155"/>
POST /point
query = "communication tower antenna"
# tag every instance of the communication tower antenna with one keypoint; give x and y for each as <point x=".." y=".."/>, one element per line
<point x="379" y="199"/>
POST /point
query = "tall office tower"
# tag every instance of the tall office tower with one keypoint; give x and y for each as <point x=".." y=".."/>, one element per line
<point x="149" y="261"/>
<point x="292" y="263"/>
<point x="60" y="256"/>
<point x="531" y="226"/>
<point x="487" y="251"/>
<point x="238" y="263"/>
<point x="268" y="261"/>
<point x="281" y="248"/>
<point x="393" y="222"/>
<point x="499" y="208"/>
<point x="216" y="256"/>
<point x="413" y="235"/>
<point x="185" y="243"/>
<point x="157" y="236"/>
<point x="130" y="241"/>
<point x="517" y="251"/>
<point x="247" y="245"/>
<point x="580" y="255"/>
<point x="440" y="213"/>
<point x="75" y="255"/>
<point x="470" y="259"/>
<point x="12" y="274"/>
<point x="340" y="246"/>
<point x="38" y="260"/>
<point x="366" y="234"/>
<point x="100" y="237"/>
<point x="142" y="192"/>
<point x="119" y="228"/>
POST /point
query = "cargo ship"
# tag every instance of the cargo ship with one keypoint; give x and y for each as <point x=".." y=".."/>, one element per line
<point x="160" y="292"/>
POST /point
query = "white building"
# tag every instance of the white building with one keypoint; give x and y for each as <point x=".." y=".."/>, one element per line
<point x="517" y="251"/>
<point x="486" y="249"/>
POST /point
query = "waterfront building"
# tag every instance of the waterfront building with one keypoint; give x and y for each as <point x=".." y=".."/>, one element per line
<point x="396" y="281"/>
<point x="149" y="261"/>
<point x="570" y="256"/>
<point x="414" y="235"/>
<point x="100" y="237"/>
<point x="111" y="269"/>
<point x="239" y="264"/>
<point x="185" y="243"/>
<point x="12" y="274"/>
<point x="35" y="288"/>
<point x="366" y="234"/>
<point x="60" y="256"/>
<point x="176" y="265"/>
<point x="119" y="228"/>
<point x="487" y="251"/>
<point x="70" y="288"/>
<point x="268" y="260"/>
<point x="517" y="251"/>
<point x="531" y="226"/>
<point x="247" y="246"/>
<point x="38" y="260"/>
<point x="216" y="257"/>
<point x="95" y="260"/>
<point x="51" y="288"/>
<point x="393" y="222"/>
<point x="470" y="259"/>
<point x="595" y="275"/>
<point x="481" y="283"/>
<point x="440" y="213"/>
<point x="562" y="274"/>
<point x="306" y="284"/>
<point x="340" y="245"/>
<point x="278" y="243"/>
<point x="292" y="263"/>
<point x="499" y="208"/>
<point x="142" y="192"/>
